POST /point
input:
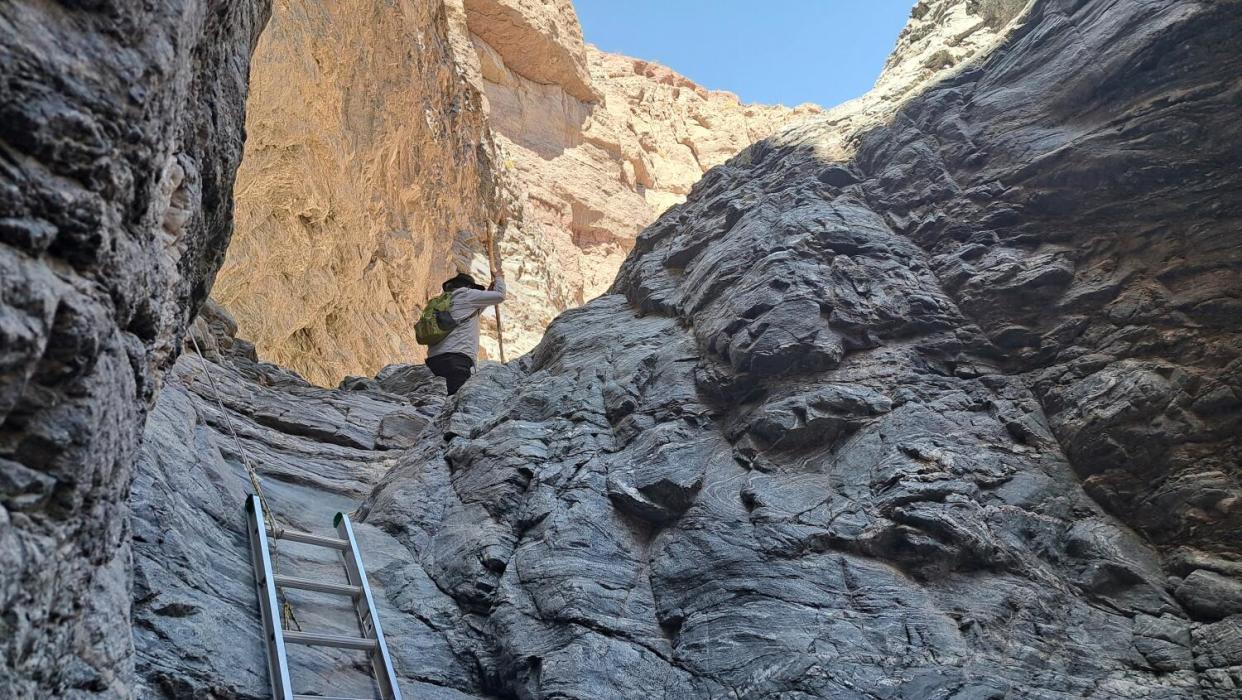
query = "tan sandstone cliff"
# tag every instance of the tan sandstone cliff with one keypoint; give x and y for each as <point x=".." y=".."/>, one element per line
<point x="367" y="154"/>
<point x="378" y="132"/>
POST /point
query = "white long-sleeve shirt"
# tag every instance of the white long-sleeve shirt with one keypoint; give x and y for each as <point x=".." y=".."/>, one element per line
<point x="465" y="337"/>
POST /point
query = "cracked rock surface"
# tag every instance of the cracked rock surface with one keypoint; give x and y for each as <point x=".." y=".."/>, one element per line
<point x="120" y="132"/>
<point x="919" y="424"/>
<point x="955" y="417"/>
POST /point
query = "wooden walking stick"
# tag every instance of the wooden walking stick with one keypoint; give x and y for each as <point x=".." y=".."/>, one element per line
<point x="491" y="261"/>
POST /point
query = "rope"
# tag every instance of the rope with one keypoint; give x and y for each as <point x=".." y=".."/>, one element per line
<point x="286" y="610"/>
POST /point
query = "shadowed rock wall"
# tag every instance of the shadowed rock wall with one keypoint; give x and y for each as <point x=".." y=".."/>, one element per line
<point x="1081" y="208"/>
<point x="120" y="131"/>
<point x="320" y="451"/>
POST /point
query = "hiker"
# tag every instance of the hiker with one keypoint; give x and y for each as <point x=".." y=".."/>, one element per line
<point x="449" y="326"/>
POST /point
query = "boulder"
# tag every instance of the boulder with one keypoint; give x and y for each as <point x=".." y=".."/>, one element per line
<point x="1210" y="595"/>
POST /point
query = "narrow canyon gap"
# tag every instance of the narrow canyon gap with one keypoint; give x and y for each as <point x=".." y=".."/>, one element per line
<point x="932" y="395"/>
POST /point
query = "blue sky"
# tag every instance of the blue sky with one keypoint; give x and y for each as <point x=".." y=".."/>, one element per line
<point x="786" y="51"/>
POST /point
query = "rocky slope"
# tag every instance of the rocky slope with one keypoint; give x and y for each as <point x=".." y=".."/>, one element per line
<point x="321" y="451"/>
<point x="941" y="408"/>
<point x="120" y="131"/>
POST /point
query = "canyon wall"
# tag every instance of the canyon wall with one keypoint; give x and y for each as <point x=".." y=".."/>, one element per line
<point x="955" y="416"/>
<point x="120" y="131"/>
<point x="945" y="405"/>
<point x="934" y="399"/>
<point x="384" y="138"/>
<point x="369" y="164"/>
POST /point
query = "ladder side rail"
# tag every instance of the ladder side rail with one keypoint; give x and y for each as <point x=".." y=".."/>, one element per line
<point x="265" y="586"/>
<point x="368" y="620"/>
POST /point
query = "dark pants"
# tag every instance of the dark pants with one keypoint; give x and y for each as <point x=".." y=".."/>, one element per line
<point x="453" y="366"/>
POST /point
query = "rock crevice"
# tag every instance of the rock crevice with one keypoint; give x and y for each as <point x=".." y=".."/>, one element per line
<point x="933" y="395"/>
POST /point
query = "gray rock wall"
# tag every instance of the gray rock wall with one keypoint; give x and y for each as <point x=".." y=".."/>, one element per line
<point x="917" y="425"/>
<point x="120" y="131"/>
<point x="1081" y="207"/>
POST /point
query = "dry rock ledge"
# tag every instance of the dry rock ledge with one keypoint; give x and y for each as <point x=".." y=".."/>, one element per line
<point x="955" y="417"/>
<point x="947" y="407"/>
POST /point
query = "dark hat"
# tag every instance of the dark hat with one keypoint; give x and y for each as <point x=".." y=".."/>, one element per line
<point x="460" y="281"/>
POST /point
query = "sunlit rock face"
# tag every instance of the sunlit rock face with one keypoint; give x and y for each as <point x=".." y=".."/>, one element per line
<point x="538" y="39"/>
<point x="943" y="405"/>
<point x="368" y="155"/>
<point x="120" y="132"/>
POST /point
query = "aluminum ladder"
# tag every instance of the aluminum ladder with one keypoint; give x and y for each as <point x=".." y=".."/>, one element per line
<point x="357" y="589"/>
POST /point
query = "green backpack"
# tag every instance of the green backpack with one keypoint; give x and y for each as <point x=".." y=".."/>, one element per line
<point x="436" y="322"/>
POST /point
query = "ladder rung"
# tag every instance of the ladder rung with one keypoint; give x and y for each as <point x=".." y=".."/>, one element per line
<point x="325" y="697"/>
<point x="312" y="639"/>
<point x="319" y="586"/>
<point x="307" y="538"/>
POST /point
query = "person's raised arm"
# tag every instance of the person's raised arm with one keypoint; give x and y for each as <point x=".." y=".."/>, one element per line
<point x="477" y="299"/>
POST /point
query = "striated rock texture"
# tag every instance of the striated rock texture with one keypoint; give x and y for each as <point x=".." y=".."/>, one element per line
<point x="195" y="625"/>
<point x="953" y="417"/>
<point x="368" y="155"/>
<point x="120" y="131"/>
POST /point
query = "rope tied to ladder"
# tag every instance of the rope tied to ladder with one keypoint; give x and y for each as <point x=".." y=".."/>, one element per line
<point x="286" y="610"/>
